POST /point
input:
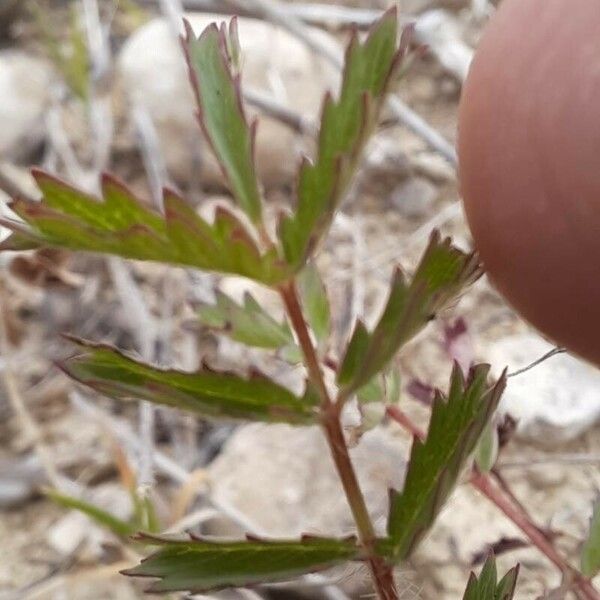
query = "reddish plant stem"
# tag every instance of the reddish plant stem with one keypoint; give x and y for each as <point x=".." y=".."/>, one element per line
<point x="289" y="295"/>
<point x="382" y="573"/>
<point x="505" y="487"/>
<point x="490" y="490"/>
<point x="487" y="487"/>
<point x="405" y="422"/>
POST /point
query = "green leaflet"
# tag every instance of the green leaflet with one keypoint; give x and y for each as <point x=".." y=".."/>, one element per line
<point x="455" y="427"/>
<point x="208" y="393"/>
<point x="442" y="274"/>
<point x="487" y="586"/>
<point x="252" y="325"/>
<point x="314" y="302"/>
<point x="345" y="127"/>
<point x="71" y="56"/>
<point x="144" y="512"/>
<point x="382" y="388"/>
<point x="373" y="391"/>
<point x="105" y="519"/>
<point x="590" y="552"/>
<point x="122" y="225"/>
<point x="486" y="452"/>
<point x="198" y="565"/>
<point x="221" y="111"/>
<point x="248" y="324"/>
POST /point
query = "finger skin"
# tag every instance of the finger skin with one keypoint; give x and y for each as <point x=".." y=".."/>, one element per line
<point x="529" y="156"/>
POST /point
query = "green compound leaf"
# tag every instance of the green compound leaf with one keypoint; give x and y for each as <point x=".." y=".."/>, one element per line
<point x="101" y="517"/>
<point x="590" y="552"/>
<point x="487" y="586"/>
<point x="435" y="464"/>
<point x="248" y="323"/>
<point x="120" y="224"/>
<point x="199" y="565"/>
<point x="208" y="393"/>
<point x="221" y="112"/>
<point x="314" y="302"/>
<point x="346" y="124"/>
<point x="443" y="273"/>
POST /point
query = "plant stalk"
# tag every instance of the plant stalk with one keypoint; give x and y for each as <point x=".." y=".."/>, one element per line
<point x="482" y="482"/>
<point x="382" y="573"/>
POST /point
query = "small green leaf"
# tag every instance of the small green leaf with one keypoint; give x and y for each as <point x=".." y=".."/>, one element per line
<point x="221" y="111"/>
<point x="392" y="386"/>
<point x="486" y="453"/>
<point x="374" y="391"/>
<point x="314" y="302"/>
<point x="442" y="274"/>
<point x="382" y="388"/>
<point x="234" y="50"/>
<point x="102" y="517"/>
<point x="346" y="124"/>
<point x="248" y="324"/>
<point x="122" y="225"/>
<point x="487" y="587"/>
<point x="206" y="392"/>
<point x="291" y="354"/>
<point x="71" y="58"/>
<point x="355" y="353"/>
<point x="590" y="552"/>
<point x="76" y="64"/>
<point x="455" y="427"/>
<point x="199" y="565"/>
<point x="145" y="518"/>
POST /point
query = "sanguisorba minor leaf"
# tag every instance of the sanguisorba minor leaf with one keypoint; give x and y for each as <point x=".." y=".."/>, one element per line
<point x="209" y="393"/>
<point x="487" y="586"/>
<point x="590" y="552"/>
<point x="455" y="427"/>
<point x="247" y="323"/>
<point x="345" y="127"/>
<point x="199" y="565"/>
<point x="221" y="112"/>
<point x="442" y="274"/>
<point x="121" y="224"/>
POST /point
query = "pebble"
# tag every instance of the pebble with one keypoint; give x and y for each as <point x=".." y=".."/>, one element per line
<point x="555" y="401"/>
<point x="25" y="89"/>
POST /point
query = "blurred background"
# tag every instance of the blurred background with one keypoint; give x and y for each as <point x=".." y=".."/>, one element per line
<point x="100" y="85"/>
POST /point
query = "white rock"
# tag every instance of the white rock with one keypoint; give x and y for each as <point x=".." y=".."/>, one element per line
<point x="155" y="78"/>
<point x="415" y="198"/>
<point x="282" y="479"/>
<point x="554" y="401"/>
<point x="25" y="92"/>
<point x="69" y="532"/>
